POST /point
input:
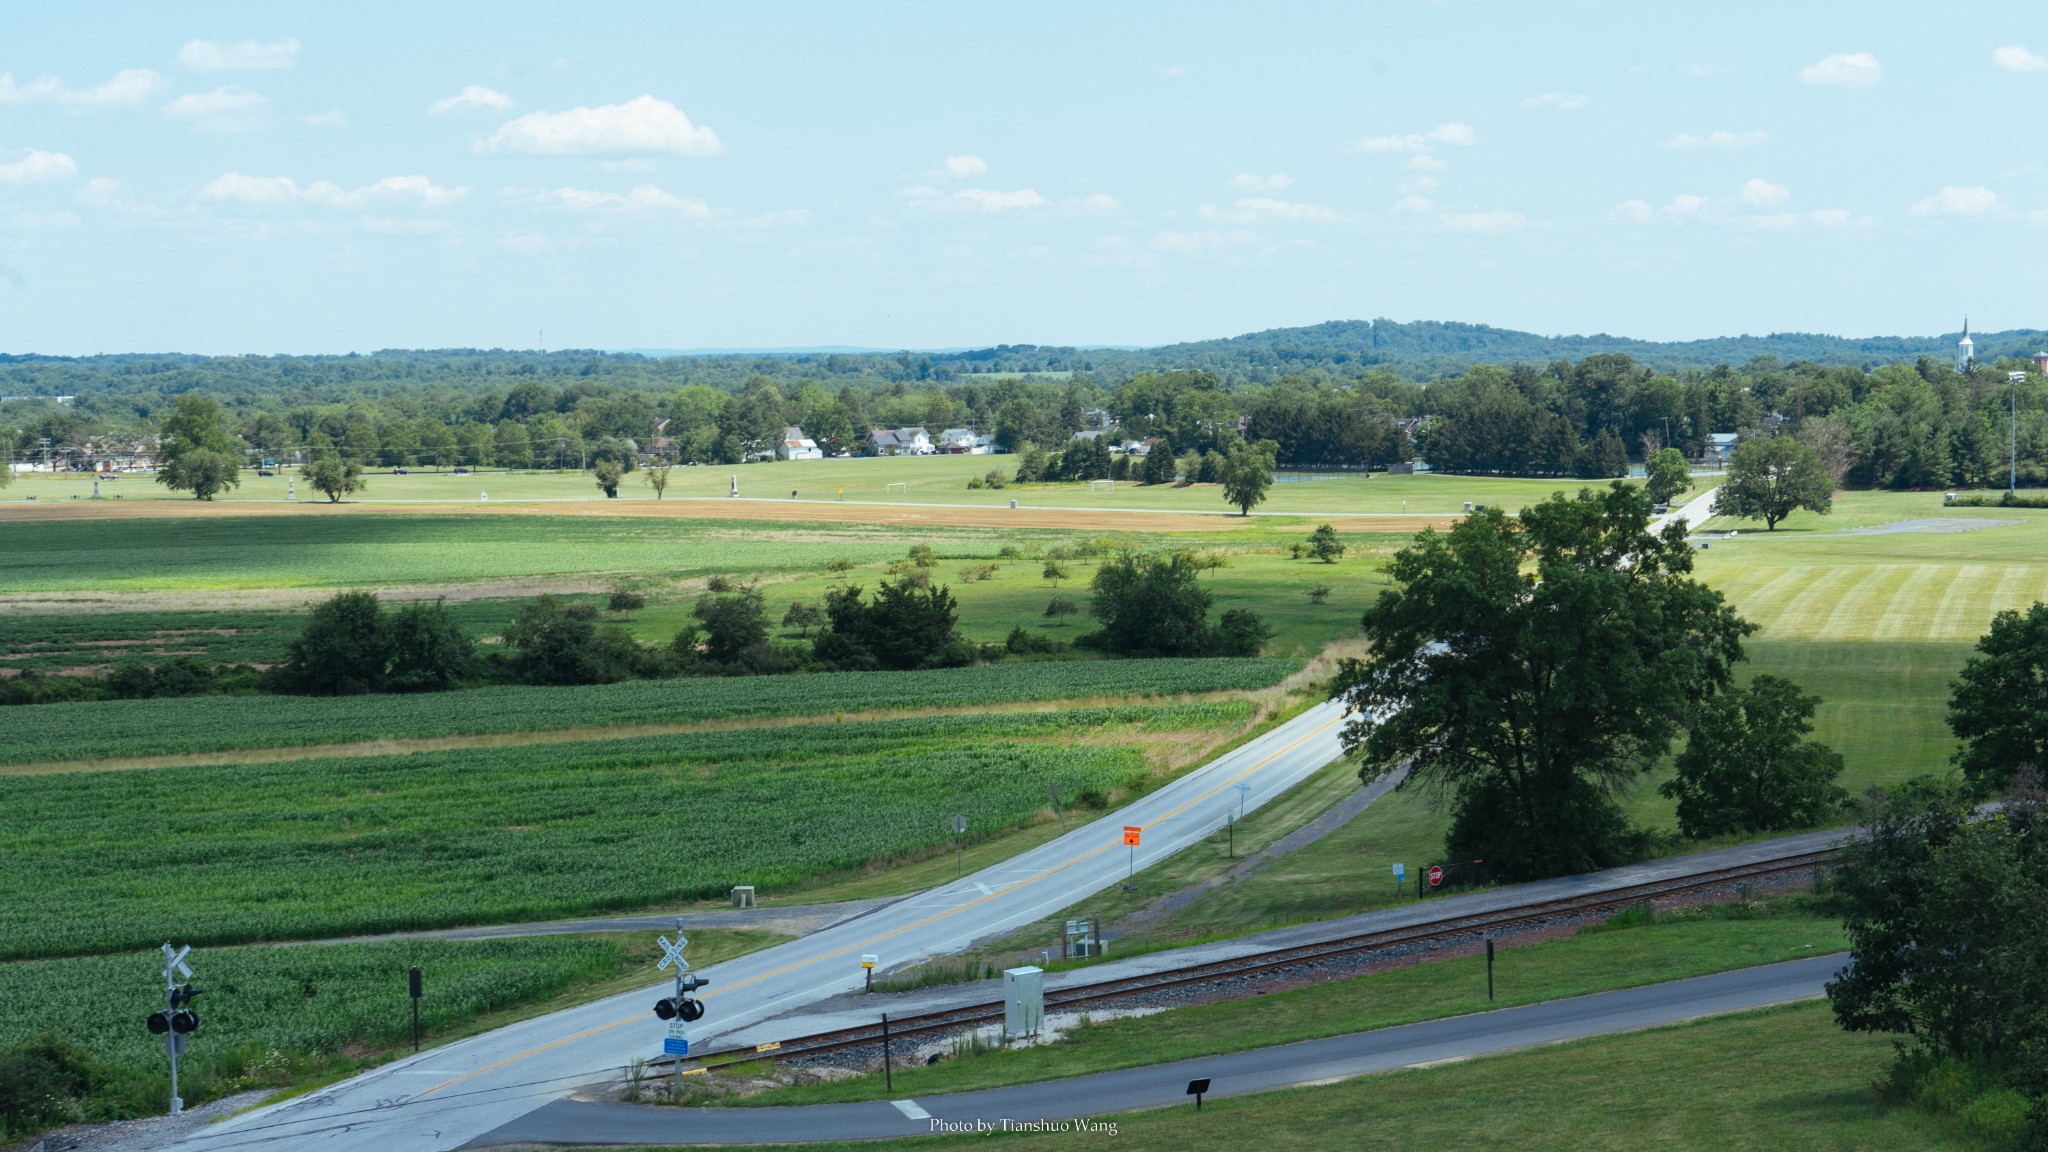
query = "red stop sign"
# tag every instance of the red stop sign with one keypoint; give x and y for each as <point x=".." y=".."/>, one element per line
<point x="1436" y="875"/>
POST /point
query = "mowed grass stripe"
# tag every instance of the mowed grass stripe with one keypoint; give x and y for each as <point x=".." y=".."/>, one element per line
<point x="1762" y="595"/>
<point x="1905" y="615"/>
<point x="1795" y="619"/>
<point x="1852" y="615"/>
<point x="1963" y="602"/>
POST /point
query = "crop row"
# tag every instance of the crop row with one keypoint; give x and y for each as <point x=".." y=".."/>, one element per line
<point x="296" y="1001"/>
<point x="97" y="862"/>
<point x="124" y="728"/>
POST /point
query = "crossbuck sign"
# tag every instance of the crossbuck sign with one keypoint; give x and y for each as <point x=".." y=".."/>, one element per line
<point x="673" y="953"/>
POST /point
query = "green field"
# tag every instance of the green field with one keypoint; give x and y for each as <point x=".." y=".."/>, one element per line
<point x="101" y="861"/>
<point x="923" y="480"/>
<point x="270" y="1016"/>
<point x="1777" y="1080"/>
<point x="113" y="729"/>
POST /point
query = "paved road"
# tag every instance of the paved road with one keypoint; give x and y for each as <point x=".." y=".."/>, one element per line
<point x="1260" y="1070"/>
<point x="444" y="1098"/>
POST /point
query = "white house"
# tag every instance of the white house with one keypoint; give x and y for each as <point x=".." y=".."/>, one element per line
<point x="797" y="446"/>
<point x="900" y="442"/>
<point x="955" y="441"/>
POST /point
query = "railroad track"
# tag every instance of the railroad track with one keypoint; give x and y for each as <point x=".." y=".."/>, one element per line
<point x="1278" y="959"/>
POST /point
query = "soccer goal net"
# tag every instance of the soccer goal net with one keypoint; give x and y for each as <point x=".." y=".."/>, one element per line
<point x="902" y="486"/>
<point x="1102" y="485"/>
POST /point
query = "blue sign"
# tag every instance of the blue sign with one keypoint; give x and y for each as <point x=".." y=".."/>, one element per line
<point x="1400" y="873"/>
<point x="675" y="1046"/>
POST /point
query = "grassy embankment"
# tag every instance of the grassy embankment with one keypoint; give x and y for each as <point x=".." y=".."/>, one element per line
<point x="1776" y="1080"/>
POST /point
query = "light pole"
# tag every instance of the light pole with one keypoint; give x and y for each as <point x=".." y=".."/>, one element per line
<point x="2014" y="379"/>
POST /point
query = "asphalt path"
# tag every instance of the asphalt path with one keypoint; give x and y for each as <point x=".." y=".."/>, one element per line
<point x="1105" y="1094"/>
<point x="446" y="1097"/>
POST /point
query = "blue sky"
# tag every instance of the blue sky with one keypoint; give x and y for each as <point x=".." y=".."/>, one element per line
<point x="272" y="178"/>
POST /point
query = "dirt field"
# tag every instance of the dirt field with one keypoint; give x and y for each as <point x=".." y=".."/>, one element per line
<point x="26" y="511"/>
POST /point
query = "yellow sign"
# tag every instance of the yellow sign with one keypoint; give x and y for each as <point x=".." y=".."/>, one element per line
<point x="770" y="1046"/>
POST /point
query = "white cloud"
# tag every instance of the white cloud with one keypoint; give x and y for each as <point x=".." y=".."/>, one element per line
<point x="1633" y="211"/>
<point x="234" y="187"/>
<point x="39" y="168"/>
<point x="1454" y="134"/>
<point x="2015" y="58"/>
<point x="334" y="119"/>
<point x="1719" y="139"/>
<point x="961" y="167"/>
<point x="228" y="109"/>
<point x="1954" y="201"/>
<point x="1557" y="101"/>
<point x="1705" y="70"/>
<point x="1250" y="183"/>
<point x="1261" y="209"/>
<point x="645" y="198"/>
<point x="1686" y="204"/>
<point x="99" y="190"/>
<point x="473" y="96"/>
<point x="1414" y="204"/>
<point x="1420" y="184"/>
<point x="1209" y="240"/>
<point x="1427" y="163"/>
<point x="1830" y="218"/>
<point x="131" y="86"/>
<point x="247" y="56"/>
<point x="643" y="124"/>
<point x="975" y="199"/>
<point x="1486" y="222"/>
<point x="1844" y="70"/>
<point x="1764" y="194"/>
<point x="1099" y="204"/>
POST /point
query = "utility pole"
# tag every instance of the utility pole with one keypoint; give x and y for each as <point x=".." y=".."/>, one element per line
<point x="2014" y="380"/>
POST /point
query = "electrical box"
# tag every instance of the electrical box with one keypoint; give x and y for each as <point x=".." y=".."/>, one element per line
<point x="1023" y="1002"/>
<point x="743" y="896"/>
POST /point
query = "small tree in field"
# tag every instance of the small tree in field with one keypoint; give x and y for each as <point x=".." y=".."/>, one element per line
<point x="1769" y="479"/>
<point x="657" y="478"/>
<point x="1248" y="473"/>
<point x="1324" y="545"/>
<point x="803" y="616"/>
<point x="335" y="477"/>
<point x="1055" y="572"/>
<point x="608" y="473"/>
<point x="1060" y="607"/>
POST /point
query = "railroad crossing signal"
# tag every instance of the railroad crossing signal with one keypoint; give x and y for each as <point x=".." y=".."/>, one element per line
<point x="177" y="1020"/>
<point x="673" y="953"/>
<point x="679" y="1007"/>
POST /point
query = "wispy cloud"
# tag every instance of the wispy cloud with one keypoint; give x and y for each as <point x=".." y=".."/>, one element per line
<point x="1843" y="70"/>
<point x="234" y="187"/>
<point x="646" y="198"/>
<point x="1719" y="139"/>
<point x="1557" y="101"/>
<point x="1458" y="135"/>
<point x="1633" y="211"/>
<point x="132" y="86"/>
<point x="246" y="56"/>
<point x="1263" y="209"/>
<point x="2015" y="58"/>
<point x="39" y="168"/>
<point x="1764" y="194"/>
<point x="961" y="167"/>
<point x="228" y="109"/>
<point x="1205" y="240"/>
<point x="989" y="200"/>
<point x="644" y="124"/>
<point x="474" y="97"/>
<point x="1955" y="201"/>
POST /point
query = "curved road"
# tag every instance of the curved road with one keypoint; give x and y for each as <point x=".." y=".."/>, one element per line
<point x="1104" y="1094"/>
<point x="446" y="1097"/>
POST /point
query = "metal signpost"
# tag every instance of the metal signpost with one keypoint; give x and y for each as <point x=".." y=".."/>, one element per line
<point x="959" y="846"/>
<point x="1132" y="833"/>
<point x="1230" y="822"/>
<point x="1243" y="790"/>
<point x="1400" y="876"/>
<point x="868" y="960"/>
<point x="412" y="985"/>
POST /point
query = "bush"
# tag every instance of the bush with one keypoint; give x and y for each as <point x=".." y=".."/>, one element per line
<point x="1022" y="642"/>
<point x="994" y="478"/>
<point x="908" y="625"/>
<point x="1319" y="594"/>
<point x="625" y="601"/>
<point x="1060" y="606"/>
<point x="43" y="1083"/>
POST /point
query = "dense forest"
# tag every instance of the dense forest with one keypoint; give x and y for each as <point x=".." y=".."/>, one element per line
<point x="1467" y="398"/>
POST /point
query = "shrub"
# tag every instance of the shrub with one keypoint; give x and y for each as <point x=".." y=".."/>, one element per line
<point x="624" y="601"/>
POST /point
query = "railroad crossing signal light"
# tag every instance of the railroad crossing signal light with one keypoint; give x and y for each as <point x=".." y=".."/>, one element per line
<point x="184" y="1022"/>
<point x="684" y="1008"/>
<point x="159" y="1023"/>
<point x="665" y="1008"/>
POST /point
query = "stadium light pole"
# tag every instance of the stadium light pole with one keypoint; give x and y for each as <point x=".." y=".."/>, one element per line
<point x="2014" y="379"/>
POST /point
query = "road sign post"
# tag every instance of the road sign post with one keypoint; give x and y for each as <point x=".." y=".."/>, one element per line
<point x="1400" y="876"/>
<point x="1198" y="1089"/>
<point x="1489" y="968"/>
<point x="1243" y="790"/>
<point x="412" y="986"/>
<point x="868" y="960"/>
<point x="1230" y="823"/>
<point x="888" y="1073"/>
<point x="1132" y="834"/>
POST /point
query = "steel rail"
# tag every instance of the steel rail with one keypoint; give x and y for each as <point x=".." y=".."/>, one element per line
<point x="1270" y="960"/>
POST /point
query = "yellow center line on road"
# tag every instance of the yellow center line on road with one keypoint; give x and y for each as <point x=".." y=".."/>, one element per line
<point x="932" y="919"/>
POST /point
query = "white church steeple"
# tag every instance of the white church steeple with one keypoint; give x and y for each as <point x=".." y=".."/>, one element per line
<point x="1966" y="352"/>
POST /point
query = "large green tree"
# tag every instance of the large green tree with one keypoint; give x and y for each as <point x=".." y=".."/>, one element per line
<point x="1247" y="474"/>
<point x="909" y="624"/>
<point x="344" y="651"/>
<point x="335" y="476"/>
<point x="1529" y="667"/>
<point x="1747" y="767"/>
<point x="1999" y="710"/>
<point x="198" y="452"/>
<point x="1666" y="474"/>
<point x="1769" y="478"/>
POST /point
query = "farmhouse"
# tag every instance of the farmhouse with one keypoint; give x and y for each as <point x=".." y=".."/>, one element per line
<point x="797" y="446"/>
<point x="900" y="442"/>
